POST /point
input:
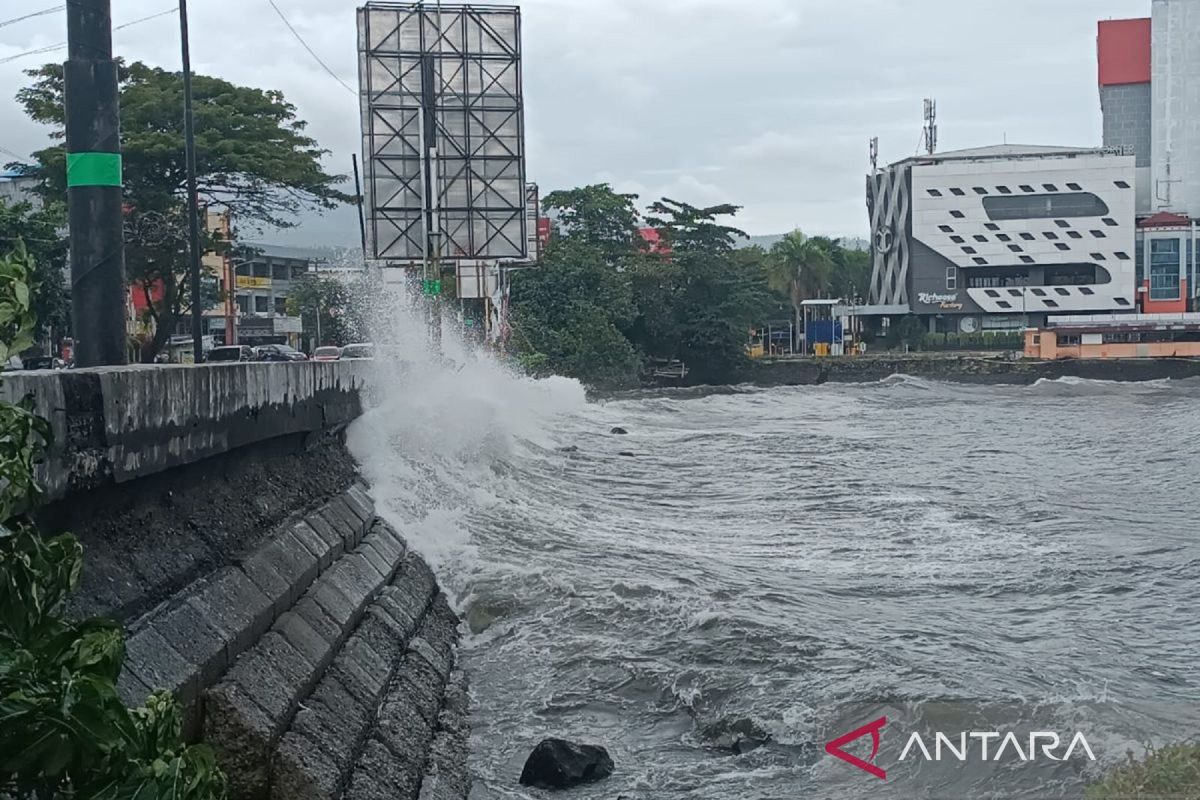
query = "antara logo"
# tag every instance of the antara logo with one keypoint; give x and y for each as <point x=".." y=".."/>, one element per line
<point x="992" y="745"/>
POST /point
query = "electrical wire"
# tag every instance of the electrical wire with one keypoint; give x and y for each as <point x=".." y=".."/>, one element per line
<point x="311" y="52"/>
<point x="41" y="13"/>
<point x="62" y="45"/>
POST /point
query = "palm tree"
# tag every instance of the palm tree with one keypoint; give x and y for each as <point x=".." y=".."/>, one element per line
<point x="800" y="267"/>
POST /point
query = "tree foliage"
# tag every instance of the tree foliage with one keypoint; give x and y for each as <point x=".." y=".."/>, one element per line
<point x="328" y="305"/>
<point x="38" y="232"/>
<point x="64" y="731"/>
<point x="253" y="158"/>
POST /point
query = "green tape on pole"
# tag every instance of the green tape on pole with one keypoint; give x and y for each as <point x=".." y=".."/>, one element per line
<point x="93" y="169"/>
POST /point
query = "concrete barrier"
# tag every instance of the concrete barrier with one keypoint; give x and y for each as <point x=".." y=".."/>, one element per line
<point x="117" y="424"/>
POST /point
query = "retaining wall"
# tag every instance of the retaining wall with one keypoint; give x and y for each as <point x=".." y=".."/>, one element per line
<point x="308" y="644"/>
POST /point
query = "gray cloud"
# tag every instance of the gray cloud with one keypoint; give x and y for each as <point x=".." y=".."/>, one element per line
<point x="768" y="104"/>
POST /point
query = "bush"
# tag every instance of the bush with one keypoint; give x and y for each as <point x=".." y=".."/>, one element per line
<point x="1172" y="772"/>
<point x="64" y="731"/>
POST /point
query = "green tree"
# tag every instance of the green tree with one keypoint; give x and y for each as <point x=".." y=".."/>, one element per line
<point x="600" y="217"/>
<point x="800" y="267"/>
<point x="697" y="298"/>
<point x="327" y="310"/>
<point x="64" y="731"/>
<point x="253" y="158"/>
<point x="39" y="231"/>
<point x="570" y="314"/>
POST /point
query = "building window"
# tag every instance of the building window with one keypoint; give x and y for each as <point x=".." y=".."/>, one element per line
<point x="1121" y="184"/>
<point x="243" y="304"/>
<point x="1098" y="257"/>
<point x="1016" y="248"/>
<point x="1050" y="235"/>
<point x="1003" y="237"/>
<point x="1003" y="190"/>
<point x="1050" y="303"/>
<point x="1121" y="256"/>
<point x="1045" y="206"/>
<point x="244" y="269"/>
<point x="1062" y="246"/>
<point x="1003" y="304"/>
<point x="1074" y="187"/>
<point x="281" y="306"/>
<point x="992" y="293"/>
<point x="957" y="239"/>
<point x="970" y="251"/>
<point x="280" y="272"/>
<point x="1121" y="301"/>
<point x="945" y="229"/>
<point x="957" y="192"/>
<point x="934" y="193"/>
<point x="979" y="237"/>
<point x="1086" y="290"/>
<point x="1038" y="292"/>
<point x="1026" y="187"/>
<point x="1037" y="338"/>
<point x="261" y="302"/>
<point x="951" y="278"/>
<point x="991" y="226"/>
<point x="1049" y="187"/>
<point x="1164" y="269"/>
<point x="1110" y="222"/>
<point x="299" y="271"/>
<point x="1027" y="259"/>
<point x="1062" y="223"/>
<point x="1075" y="234"/>
<point x="261" y="269"/>
<point x="1015" y="292"/>
<point x="1062" y="292"/>
<point x="1029" y="237"/>
<point x="1100" y="234"/>
<point x="980" y="190"/>
<point x="957" y="214"/>
<point x="980" y="261"/>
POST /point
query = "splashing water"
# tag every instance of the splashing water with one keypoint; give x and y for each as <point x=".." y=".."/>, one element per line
<point x="790" y="556"/>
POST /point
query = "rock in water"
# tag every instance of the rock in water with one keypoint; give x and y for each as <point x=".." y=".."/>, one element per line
<point x="735" y="735"/>
<point x="618" y="432"/>
<point x="627" y="454"/>
<point x="559" y="764"/>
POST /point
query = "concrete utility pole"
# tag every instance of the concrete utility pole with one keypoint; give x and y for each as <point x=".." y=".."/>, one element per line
<point x="193" y="210"/>
<point x="94" y="197"/>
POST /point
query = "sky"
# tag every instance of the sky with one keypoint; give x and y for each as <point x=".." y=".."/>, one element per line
<point x="767" y="104"/>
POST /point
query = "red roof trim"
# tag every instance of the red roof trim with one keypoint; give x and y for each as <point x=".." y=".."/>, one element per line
<point x="1165" y="219"/>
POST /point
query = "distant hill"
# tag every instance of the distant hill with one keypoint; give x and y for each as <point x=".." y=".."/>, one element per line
<point x="766" y="241"/>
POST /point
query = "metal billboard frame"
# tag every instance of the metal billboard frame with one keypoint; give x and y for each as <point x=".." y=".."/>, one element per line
<point x="440" y="89"/>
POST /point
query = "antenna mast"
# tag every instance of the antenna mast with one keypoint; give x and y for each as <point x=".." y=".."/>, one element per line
<point x="930" y="132"/>
<point x="874" y="153"/>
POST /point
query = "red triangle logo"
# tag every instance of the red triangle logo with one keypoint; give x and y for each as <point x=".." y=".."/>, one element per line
<point x="834" y="748"/>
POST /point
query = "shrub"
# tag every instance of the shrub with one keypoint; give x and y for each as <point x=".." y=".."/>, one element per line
<point x="64" y="731"/>
<point x="1172" y="772"/>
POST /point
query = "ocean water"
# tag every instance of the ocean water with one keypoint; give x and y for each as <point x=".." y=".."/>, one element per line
<point x="956" y="558"/>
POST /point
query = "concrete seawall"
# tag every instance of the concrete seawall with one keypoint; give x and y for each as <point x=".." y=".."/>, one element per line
<point x="225" y="525"/>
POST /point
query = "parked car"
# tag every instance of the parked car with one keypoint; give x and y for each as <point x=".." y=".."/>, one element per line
<point x="279" y="352"/>
<point x="233" y="352"/>
<point x="43" y="362"/>
<point x="327" y="354"/>
<point x="362" y="350"/>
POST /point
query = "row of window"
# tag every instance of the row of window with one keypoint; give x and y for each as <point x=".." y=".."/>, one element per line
<point x="1029" y="237"/>
<point x="1048" y="303"/>
<point x="275" y="270"/>
<point x="261" y="303"/>
<point x="1062" y="223"/>
<point x="1027" y="188"/>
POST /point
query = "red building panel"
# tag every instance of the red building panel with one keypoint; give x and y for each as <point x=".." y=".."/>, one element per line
<point x="1123" y="51"/>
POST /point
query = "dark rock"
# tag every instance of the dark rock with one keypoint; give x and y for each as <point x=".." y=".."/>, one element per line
<point x="735" y="735"/>
<point x="619" y="432"/>
<point x="627" y="454"/>
<point x="559" y="764"/>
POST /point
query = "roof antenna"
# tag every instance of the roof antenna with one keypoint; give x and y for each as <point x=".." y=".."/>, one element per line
<point x="930" y="132"/>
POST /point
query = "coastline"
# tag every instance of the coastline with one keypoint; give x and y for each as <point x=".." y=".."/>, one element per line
<point x="959" y="368"/>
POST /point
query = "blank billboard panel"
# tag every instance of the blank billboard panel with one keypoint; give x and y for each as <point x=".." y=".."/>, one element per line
<point x="449" y="79"/>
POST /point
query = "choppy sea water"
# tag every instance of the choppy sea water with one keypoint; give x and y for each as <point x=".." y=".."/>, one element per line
<point x="958" y="557"/>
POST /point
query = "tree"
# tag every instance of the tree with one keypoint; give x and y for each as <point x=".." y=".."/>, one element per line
<point x="327" y="310"/>
<point x="570" y="314"/>
<point x="252" y="158"/>
<point x="600" y="217"/>
<point x="800" y="266"/>
<point x="38" y="231"/>
<point x="696" y="298"/>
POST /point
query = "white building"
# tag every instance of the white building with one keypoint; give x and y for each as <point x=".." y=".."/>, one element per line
<point x="999" y="237"/>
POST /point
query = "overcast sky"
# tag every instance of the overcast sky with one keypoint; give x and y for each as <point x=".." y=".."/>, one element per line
<point x="768" y="104"/>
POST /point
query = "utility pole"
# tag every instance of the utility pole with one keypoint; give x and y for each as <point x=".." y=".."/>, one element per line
<point x="94" y="196"/>
<point x="193" y="209"/>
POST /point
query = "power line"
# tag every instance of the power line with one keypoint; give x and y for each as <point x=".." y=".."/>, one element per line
<point x="62" y="45"/>
<point x="311" y="52"/>
<point x="41" y="13"/>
